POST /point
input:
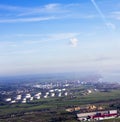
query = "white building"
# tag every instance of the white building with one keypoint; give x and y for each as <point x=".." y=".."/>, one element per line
<point x="31" y="98"/>
<point x="24" y="101"/>
<point x="38" y="94"/>
<point x="18" y="97"/>
<point x="51" y="90"/>
<point x="89" y="91"/>
<point x="47" y="93"/>
<point x="63" y="89"/>
<point x="28" y="96"/>
<point x="8" y="99"/>
<point x="13" y="101"/>
<point x="38" y="97"/>
<point x="45" y="96"/>
<point x="66" y="93"/>
<point x="52" y="94"/>
<point x="99" y="115"/>
<point x="60" y="94"/>
<point x="59" y="90"/>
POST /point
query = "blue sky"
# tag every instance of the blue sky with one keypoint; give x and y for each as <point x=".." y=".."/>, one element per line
<point x="44" y="36"/>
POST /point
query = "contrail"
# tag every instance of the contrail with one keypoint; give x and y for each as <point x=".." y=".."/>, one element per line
<point x="108" y="24"/>
<point x="98" y="10"/>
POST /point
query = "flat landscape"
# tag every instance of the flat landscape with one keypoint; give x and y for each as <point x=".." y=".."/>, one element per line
<point x="53" y="109"/>
<point x="59" y="60"/>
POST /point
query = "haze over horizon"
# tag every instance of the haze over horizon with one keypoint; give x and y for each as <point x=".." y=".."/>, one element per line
<point x="60" y="36"/>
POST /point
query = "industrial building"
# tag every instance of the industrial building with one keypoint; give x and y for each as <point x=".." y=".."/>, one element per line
<point x="99" y="115"/>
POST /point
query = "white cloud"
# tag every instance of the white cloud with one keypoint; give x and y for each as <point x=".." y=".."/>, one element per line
<point x="55" y="36"/>
<point x="62" y="36"/>
<point x="111" y="25"/>
<point x="26" y="11"/>
<point x="37" y="38"/>
<point x="32" y="19"/>
<point x="51" y="6"/>
<point x="73" y="42"/>
<point x="10" y="8"/>
<point x="27" y="14"/>
<point x="116" y="15"/>
<point x="48" y="8"/>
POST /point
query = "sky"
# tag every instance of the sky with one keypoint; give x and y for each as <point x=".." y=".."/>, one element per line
<point x="49" y="36"/>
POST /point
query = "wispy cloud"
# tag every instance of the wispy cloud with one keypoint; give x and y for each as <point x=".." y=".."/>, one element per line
<point x="73" y="42"/>
<point x="6" y="43"/>
<point x="104" y="58"/>
<point x="46" y="9"/>
<point x="51" y="6"/>
<point x="115" y="15"/>
<point x="25" y="11"/>
<point x="61" y="36"/>
<point x="42" y="13"/>
<point x="32" y="19"/>
<point x="37" y="38"/>
<point x="111" y="25"/>
<point x="25" y="45"/>
<point x="10" y="8"/>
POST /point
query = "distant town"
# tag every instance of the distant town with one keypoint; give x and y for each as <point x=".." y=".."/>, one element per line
<point x="33" y="91"/>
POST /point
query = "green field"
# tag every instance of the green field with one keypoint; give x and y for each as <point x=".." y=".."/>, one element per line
<point x="53" y="109"/>
<point x="112" y="120"/>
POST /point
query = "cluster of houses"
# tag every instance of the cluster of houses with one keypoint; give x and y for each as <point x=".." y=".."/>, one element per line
<point x="29" y="97"/>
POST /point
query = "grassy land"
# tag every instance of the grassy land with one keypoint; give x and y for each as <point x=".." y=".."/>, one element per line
<point x="112" y="120"/>
<point x="53" y="109"/>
